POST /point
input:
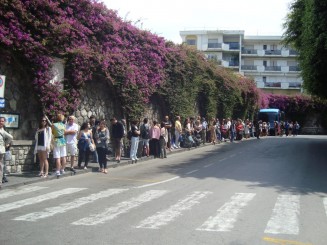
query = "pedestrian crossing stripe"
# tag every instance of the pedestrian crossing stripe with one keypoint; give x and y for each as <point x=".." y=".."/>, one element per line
<point x="166" y="216"/>
<point x="38" y="199"/>
<point x="325" y="204"/>
<point x="24" y="190"/>
<point x="226" y="215"/>
<point x="62" y="208"/>
<point x="121" y="208"/>
<point x="285" y="216"/>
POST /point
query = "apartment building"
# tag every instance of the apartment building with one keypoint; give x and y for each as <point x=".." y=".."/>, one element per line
<point x="272" y="65"/>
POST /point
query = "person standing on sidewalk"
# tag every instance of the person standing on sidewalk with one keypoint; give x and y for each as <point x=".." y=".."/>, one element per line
<point x="93" y="126"/>
<point x="134" y="141"/>
<point x="5" y="140"/>
<point x="116" y="137"/>
<point x="59" y="150"/>
<point x="168" y="126"/>
<point x="43" y="138"/>
<point x="145" y="135"/>
<point x="178" y="131"/>
<point x="71" y="140"/>
<point x="101" y="141"/>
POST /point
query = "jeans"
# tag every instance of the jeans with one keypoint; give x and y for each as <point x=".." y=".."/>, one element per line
<point x="177" y="141"/>
<point x="134" y="147"/>
<point x="102" y="157"/>
<point x="83" y="155"/>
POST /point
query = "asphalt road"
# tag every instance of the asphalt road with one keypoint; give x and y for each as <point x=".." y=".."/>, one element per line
<point x="268" y="191"/>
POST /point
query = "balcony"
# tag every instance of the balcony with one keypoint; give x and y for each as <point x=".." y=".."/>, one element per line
<point x="294" y="68"/>
<point x="273" y="85"/>
<point x="249" y="67"/>
<point x="293" y="52"/>
<point x="214" y="45"/>
<point x="249" y="51"/>
<point x="273" y="68"/>
<point x="273" y="52"/>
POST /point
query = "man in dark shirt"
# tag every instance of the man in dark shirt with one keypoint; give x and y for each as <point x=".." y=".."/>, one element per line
<point x="94" y="124"/>
<point x="117" y="133"/>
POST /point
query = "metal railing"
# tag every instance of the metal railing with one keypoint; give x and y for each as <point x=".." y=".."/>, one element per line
<point x="273" y="85"/>
<point x="214" y="45"/>
<point x="273" y="52"/>
<point x="273" y="68"/>
<point x="249" y="51"/>
<point x="249" y="67"/>
<point x="294" y="68"/>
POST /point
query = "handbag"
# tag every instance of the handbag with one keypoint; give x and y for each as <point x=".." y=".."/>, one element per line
<point x="91" y="147"/>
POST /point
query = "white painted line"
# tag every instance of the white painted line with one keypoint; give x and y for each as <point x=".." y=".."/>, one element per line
<point x="193" y="171"/>
<point x="157" y="183"/>
<point x="284" y="219"/>
<point x="23" y="190"/>
<point x="174" y="211"/>
<point x="38" y="199"/>
<point x="233" y="155"/>
<point x="62" y="208"/>
<point x="227" y="214"/>
<point x="222" y="159"/>
<point x="208" y="165"/>
<point x="325" y="204"/>
<point x="121" y="208"/>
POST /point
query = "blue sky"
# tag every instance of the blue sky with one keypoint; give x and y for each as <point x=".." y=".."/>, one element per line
<point x="167" y="18"/>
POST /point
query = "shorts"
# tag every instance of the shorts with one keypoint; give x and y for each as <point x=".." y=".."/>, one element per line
<point x="59" y="151"/>
<point x="146" y="142"/>
<point x="71" y="149"/>
<point x="116" y="143"/>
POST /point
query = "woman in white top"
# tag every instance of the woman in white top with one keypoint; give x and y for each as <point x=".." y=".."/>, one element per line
<point x="43" y="138"/>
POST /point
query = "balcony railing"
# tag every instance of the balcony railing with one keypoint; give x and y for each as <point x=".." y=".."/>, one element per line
<point x="249" y="67"/>
<point x="249" y="51"/>
<point x="273" y="85"/>
<point x="214" y="45"/>
<point x="294" y="68"/>
<point x="273" y="68"/>
<point x="234" y="46"/>
<point x="294" y="85"/>
<point x="273" y="52"/>
<point x="293" y="52"/>
<point x="234" y="63"/>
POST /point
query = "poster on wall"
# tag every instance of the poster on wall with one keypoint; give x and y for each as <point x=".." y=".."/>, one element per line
<point x="12" y="120"/>
<point x="2" y="86"/>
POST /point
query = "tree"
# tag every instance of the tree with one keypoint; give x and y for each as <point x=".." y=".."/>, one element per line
<point x="306" y="31"/>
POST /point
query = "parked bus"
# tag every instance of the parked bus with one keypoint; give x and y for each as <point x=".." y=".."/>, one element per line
<point x="271" y="116"/>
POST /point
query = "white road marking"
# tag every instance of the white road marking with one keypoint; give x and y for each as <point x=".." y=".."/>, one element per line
<point x="174" y="211"/>
<point x="157" y="183"/>
<point x="284" y="219"/>
<point x="38" y="199"/>
<point x="193" y="171"/>
<point x="227" y="214"/>
<point x="208" y="165"/>
<point x="233" y="155"/>
<point x="222" y="159"/>
<point x="121" y="208"/>
<point x="62" y="208"/>
<point x="23" y="190"/>
<point x="325" y="204"/>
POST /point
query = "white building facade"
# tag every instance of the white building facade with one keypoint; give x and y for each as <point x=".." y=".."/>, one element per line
<point x="271" y="64"/>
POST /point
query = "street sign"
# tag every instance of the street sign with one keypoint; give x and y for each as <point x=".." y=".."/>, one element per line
<point x="2" y="86"/>
<point x="2" y="103"/>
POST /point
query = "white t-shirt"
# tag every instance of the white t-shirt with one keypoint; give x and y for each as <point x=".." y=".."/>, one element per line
<point x="71" y="138"/>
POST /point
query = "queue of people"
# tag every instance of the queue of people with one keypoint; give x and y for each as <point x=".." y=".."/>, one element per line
<point x="97" y="139"/>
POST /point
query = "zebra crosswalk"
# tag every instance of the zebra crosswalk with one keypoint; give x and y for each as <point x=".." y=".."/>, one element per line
<point x="284" y="217"/>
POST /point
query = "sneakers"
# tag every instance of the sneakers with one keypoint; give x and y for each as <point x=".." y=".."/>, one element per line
<point x="58" y="174"/>
<point x="85" y="168"/>
<point x="62" y="171"/>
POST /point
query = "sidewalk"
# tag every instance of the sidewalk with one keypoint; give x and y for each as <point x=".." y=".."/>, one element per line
<point x="25" y="178"/>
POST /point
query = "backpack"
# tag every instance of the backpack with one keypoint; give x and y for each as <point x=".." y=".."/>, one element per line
<point x="129" y="134"/>
<point x="145" y="134"/>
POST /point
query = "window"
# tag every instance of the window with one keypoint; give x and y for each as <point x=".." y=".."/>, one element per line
<point x="264" y="79"/>
<point x="212" y="57"/>
<point x="265" y="47"/>
<point x="264" y="63"/>
<point x="191" y="42"/>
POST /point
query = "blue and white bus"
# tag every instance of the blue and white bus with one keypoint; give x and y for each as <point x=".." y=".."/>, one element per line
<point x="271" y="116"/>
